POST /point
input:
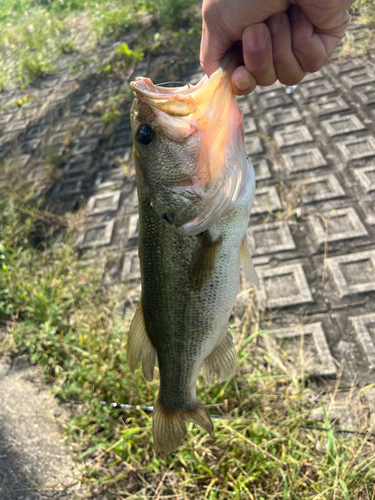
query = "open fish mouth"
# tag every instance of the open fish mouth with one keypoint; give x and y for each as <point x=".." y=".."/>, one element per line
<point x="175" y="101"/>
<point x="182" y="100"/>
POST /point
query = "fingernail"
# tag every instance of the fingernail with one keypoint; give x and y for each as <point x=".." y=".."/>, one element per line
<point x="243" y="84"/>
<point x="255" y="37"/>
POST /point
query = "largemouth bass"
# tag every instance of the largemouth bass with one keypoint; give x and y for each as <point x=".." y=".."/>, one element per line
<point x="195" y="188"/>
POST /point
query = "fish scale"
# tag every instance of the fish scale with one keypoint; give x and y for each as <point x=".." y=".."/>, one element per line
<point x="192" y="241"/>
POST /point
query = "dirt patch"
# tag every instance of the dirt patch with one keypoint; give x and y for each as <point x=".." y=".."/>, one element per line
<point x="34" y="463"/>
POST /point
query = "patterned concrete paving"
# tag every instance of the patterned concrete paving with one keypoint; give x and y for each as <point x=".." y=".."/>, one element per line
<point x="312" y="229"/>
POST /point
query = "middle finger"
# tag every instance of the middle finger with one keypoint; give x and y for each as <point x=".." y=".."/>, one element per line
<point x="288" y="69"/>
<point x="257" y="54"/>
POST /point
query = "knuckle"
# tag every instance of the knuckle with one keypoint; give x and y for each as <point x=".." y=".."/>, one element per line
<point x="265" y="80"/>
<point x="312" y="66"/>
<point x="262" y="71"/>
<point x="292" y="80"/>
<point x="309" y="60"/>
<point x="281" y="59"/>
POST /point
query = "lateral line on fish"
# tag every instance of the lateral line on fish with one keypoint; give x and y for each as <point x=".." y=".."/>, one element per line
<point x="150" y="409"/>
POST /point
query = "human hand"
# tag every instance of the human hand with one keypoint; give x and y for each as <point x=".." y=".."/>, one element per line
<point x="281" y="40"/>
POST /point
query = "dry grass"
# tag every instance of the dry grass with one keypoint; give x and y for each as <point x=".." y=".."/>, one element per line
<point x="362" y="43"/>
<point x="59" y="313"/>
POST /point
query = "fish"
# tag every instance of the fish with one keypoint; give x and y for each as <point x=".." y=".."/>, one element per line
<point x="195" y="188"/>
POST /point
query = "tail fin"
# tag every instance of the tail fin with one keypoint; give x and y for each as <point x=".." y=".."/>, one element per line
<point x="170" y="426"/>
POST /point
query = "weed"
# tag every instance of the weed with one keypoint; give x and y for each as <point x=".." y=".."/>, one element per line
<point x="58" y="312"/>
<point x="248" y="456"/>
<point x="113" y="115"/>
<point x="3" y="76"/>
<point x="188" y="37"/>
<point x="32" y="43"/>
<point x="173" y="13"/>
<point x="364" y="12"/>
<point x="33" y="37"/>
<point x="115" y="19"/>
<point x="67" y="322"/>
<point x="130" y="55"/>
<point x="53" y="157"/>
<point x="33" y="46"/>
<point x="112" y="107"/>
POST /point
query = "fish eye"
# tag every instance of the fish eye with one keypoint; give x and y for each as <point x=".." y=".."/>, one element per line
<point x="144" y="134"/>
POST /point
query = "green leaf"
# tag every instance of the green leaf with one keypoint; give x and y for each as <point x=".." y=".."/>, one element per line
<point x="123" y="49"/>
<point x="107" y="69"/>
<point x="285" y="482"/>
<point x="344" y="489"/>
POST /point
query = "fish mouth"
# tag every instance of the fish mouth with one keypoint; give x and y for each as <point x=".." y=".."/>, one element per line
<point x="175" y="101"/>
<point x="181" y="101"/>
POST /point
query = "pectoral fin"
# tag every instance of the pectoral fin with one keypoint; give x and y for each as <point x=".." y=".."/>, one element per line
<point x="204" y="259"/>
<point x="139" y="347"/>
<point x="246" y="263"/>
<point x="221" y="363"/>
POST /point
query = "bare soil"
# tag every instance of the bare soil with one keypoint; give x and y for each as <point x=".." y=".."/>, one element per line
<point x="34" y="463"/>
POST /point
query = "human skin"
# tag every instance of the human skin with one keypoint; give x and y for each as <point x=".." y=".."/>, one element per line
<point x="277" y="39"/>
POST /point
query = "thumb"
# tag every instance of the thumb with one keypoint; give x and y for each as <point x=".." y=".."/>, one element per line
<point x="214" y="45"/>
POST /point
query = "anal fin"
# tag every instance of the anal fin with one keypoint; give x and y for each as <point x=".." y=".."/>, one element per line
<point x="139" y="346"/>
<point x="246" y="263"/>
<point x="222" y="361"/>
<point x="169" y="427"/>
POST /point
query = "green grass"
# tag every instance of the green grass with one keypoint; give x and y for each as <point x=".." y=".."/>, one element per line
<point x="58" y="312"/>
<point x="362" y="11"/>
<point x="34" y="34"/>
<point x="32" y="47"/>
<point x="115" y="18"/>
<point x="249" y="458"/>
<point x="173" y="13"/>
